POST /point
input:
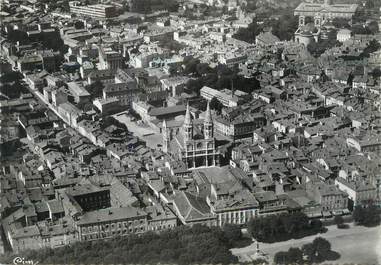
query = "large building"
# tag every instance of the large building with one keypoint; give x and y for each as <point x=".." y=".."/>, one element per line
<point x="241" y="126"/>
<point x="112" y="222"/>
<point x="324" y="12"/>
<point x="195" y="146"/>
<point x="226" y="97"/>
<point x="97" y="11"/>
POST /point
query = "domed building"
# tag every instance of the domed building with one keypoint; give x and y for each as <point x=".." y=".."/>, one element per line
<point x="307" y="34"/>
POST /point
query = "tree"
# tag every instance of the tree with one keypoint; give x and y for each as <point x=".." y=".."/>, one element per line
<point x="182" y="245"/>
<point x="194" y="85"/>
<point x="339" y="221"/>
<point x="292" y="256"/>
<point x="250" y="33"/>
<point x="373" y="27"/>
<point x="376" y="73"/>
<point x="216" y="105"/>
<point x="190" y="65"/>
<point x="373" y="46"/>
<point x="316" y="224"/>
<point x="340" y="23"/>
<point x="322" y="248"/>
<point x="317" y="251"/>
<point x="95" y="89"/>
<point x="369" y="216"/>
<point x="281" y="227"/>
<point x="232" y="232"/>
<point x="285" y="27"/>
<point x="309" y="251"/>
<point x="318" y="48"/>
<point x="295" y="255"/>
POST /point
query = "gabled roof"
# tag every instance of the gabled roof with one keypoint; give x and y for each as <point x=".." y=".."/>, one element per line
<point x="191" y="207"/>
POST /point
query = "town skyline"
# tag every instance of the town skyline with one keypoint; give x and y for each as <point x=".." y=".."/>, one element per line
<point x="210" y="131"/>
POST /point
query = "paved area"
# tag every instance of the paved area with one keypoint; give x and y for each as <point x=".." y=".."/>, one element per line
<point x="144" y="132"/>
<point x="355" y="245"/>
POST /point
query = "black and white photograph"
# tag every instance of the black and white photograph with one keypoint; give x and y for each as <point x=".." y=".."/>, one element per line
<point x="181" y="132"/>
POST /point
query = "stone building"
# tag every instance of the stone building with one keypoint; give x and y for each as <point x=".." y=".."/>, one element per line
<point x="195" y="146"/>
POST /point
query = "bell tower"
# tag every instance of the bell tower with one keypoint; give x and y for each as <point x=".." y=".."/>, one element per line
<point x="188" y="125"/>
<point x="208" y="124"/>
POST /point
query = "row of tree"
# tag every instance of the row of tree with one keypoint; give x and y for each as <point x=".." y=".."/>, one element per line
<point x="282" y="227"/>
<point x="183" y="245"/>
<point x="317" y="251"/>
<point x="367" y="216"/>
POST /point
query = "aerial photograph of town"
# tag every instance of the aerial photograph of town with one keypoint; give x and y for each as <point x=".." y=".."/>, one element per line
<point x="190" y="132"/>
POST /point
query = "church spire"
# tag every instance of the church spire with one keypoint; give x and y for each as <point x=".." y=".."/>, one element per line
<point x="208" y="123"/>
<point x="208" y="114"/>
<point x="188" y="117"/>
<point x="188" y="125"/>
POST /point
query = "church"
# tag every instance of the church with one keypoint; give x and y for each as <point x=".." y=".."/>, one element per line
<point x="194" y="144"/>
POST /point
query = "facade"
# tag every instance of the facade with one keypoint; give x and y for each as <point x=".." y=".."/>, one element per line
<point x="226" y="99"/>
<point x="112" y="222"/>
<point x="365" y="144"/>
<point x="329" y="197"/>
<point x="232" y="206"/>
<point x="239" y="127"/>
<point x="107" y="105"/>
<point x="194" y="147"/>
<point x="97" y="11"/>
<point x="160" y="218"/>
<point x="343" y="35"/>
<point x="123" y="92"/>
<point x="324" y="12"/>
<point x="359" y="192"/>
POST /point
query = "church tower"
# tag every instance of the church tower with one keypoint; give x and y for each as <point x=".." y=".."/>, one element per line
<point x="208" y="124"/>
<point x="166" y="137"/>
<point x="188" y="125"/>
